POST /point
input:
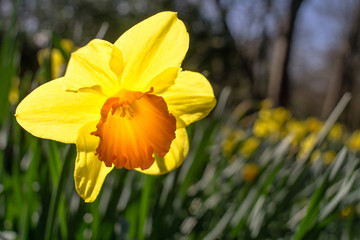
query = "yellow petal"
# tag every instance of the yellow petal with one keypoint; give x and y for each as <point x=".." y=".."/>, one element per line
<point x="90" y="172"/>
<point x="163" y="81"/>
<point x="150" y="47"/>
<point x="53" y="113"/>
<point x="178" y="150"/>
<point x="97" y="64"/>
<point x="116" y="62"/>
<point x="191" y="98"/>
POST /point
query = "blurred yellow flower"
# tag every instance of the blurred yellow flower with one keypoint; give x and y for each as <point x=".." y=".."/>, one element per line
<point x="260" y="129"/>
<point x="14" y="91"/>
<point x="307" y="145"/>
<point x="315" y="156"/>
<point x="336" y="132"/>
<point x="347" y="211"/>
<point x="229" y="144"/>
<point x="281" y="115"/>
<point x="124" y="104"/>
<point x="313" y="124"/>
<point x="298" y="129"/>
<point x="266" y="129"/>
<point x="270" y="123"/>
<point x="328" y="156"/>
<point x="67" y="45"/>
<point x="358" y="209"/>
<point x="58" y="62"/>
<point x="265" y="114"/>
<point x="354" y="141"/>
<point x="266" y="104"/>
<point x="250" y="172"/>
<point x="249" y="146"/>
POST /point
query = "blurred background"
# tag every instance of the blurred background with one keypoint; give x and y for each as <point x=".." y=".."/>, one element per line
<point x="275" y="159"/>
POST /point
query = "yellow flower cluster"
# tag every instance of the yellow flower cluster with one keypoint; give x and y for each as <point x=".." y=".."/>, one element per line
<point x="271" y="125"/>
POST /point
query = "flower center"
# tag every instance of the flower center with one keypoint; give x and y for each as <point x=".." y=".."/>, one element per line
<point x="133" y="127"/>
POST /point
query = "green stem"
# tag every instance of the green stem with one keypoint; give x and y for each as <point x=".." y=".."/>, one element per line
<point x="56" y="195"/>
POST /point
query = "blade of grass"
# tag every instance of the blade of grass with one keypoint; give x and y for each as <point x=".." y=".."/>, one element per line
<point x="62" y="218"/>
<point x="334" y="116"/>
<point x="9" y="62"/>
<point x="30" y="179"/>
<point x="219" y="228"/>
<point x="312" y="210"/>
<point x="54" y="161"/>
<point x="194" y="164"/>
<point x="145" y="204"/>
<point x="56" y="195"/>
<point x="343" y="190"/>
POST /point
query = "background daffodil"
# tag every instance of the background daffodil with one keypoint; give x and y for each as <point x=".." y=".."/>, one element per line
<point x="124" y="104"/>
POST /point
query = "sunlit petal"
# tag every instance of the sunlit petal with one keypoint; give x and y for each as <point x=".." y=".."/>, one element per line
<point x="96" y="65"/>
<point x="191" y="98"/>
<point x="53" y="113"/>
<point x="150" y="47"/>
<point x="163" y="81"/>
<point x="90" y="172"/>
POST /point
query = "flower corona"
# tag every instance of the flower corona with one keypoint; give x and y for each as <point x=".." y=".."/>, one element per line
<point x="128" y="130"/>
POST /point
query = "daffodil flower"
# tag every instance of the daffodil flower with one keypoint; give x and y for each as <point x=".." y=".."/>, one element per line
<point x="124" y="104"/>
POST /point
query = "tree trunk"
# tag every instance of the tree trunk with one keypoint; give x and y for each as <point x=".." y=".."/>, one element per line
<point x="278" y="88"/>
<point x="346" y="76"/>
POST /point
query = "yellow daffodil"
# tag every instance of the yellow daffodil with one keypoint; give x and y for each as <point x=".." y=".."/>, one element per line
<point x="124" y="104"/>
